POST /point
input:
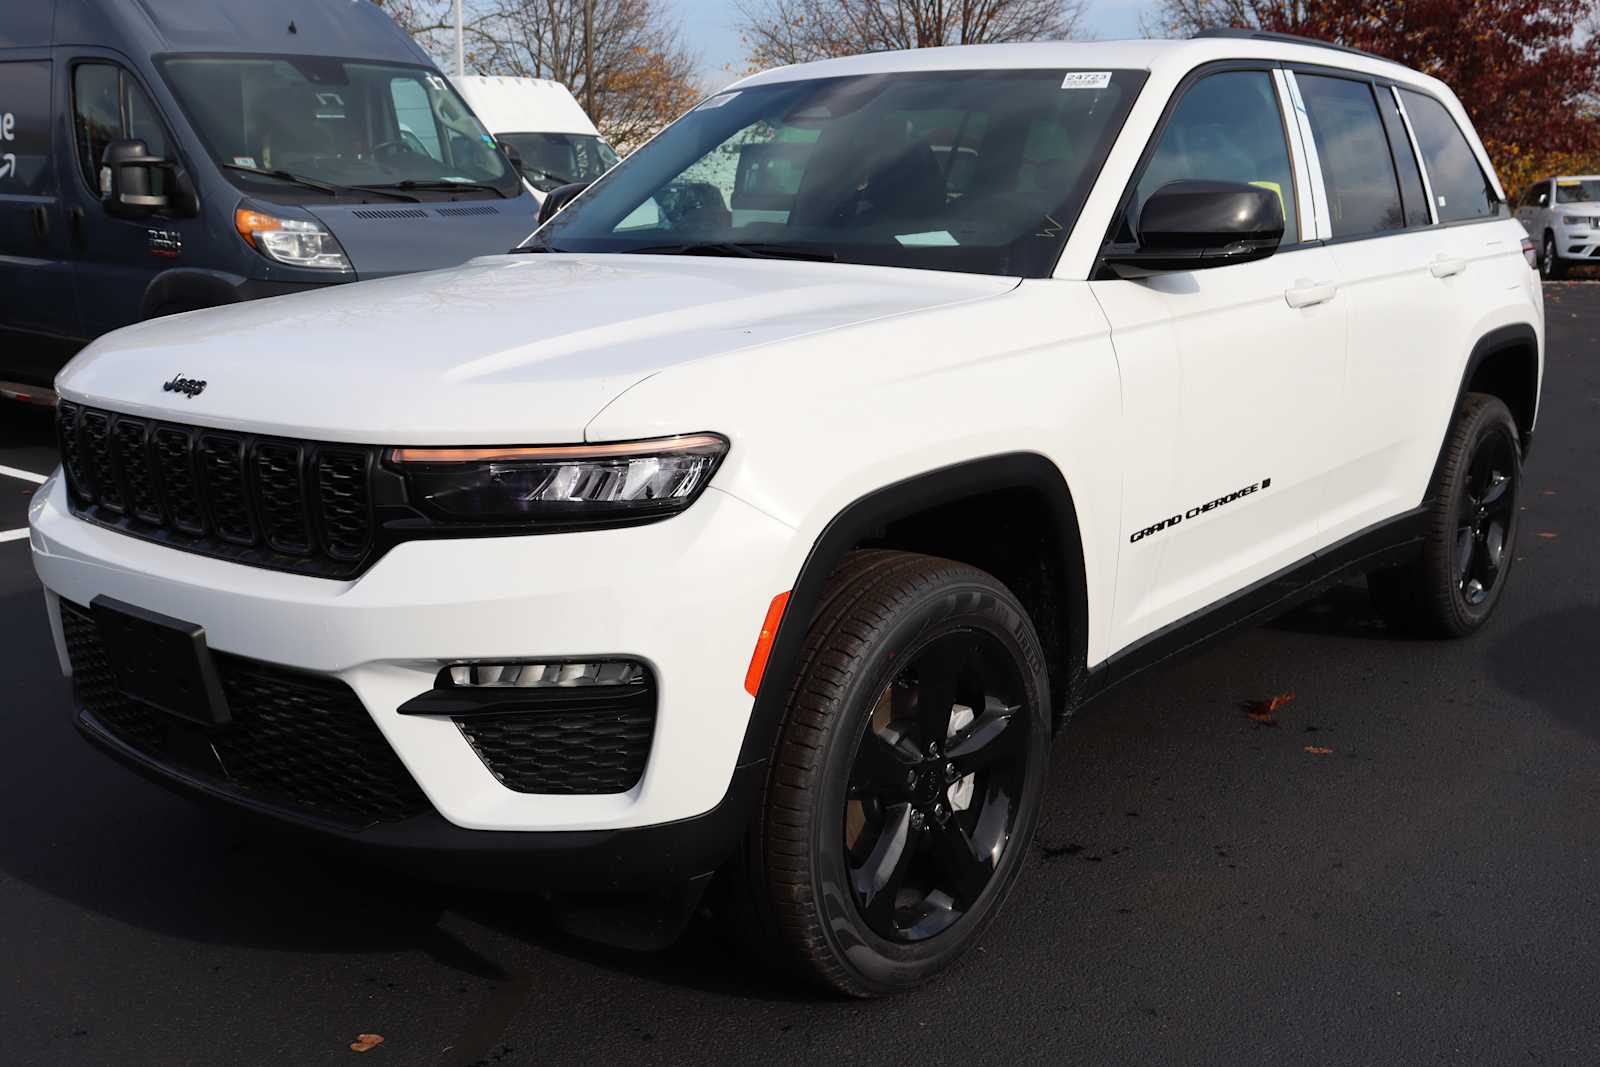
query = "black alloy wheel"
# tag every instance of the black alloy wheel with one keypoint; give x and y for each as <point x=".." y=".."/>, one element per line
<point x="936" y="786"/>
<point x="1469" y="542"/>
<point x="1488" y="504"/>
<point x="907" y="778"/>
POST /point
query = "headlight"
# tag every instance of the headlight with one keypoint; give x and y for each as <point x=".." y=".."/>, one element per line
<point x="1575" y="220"/>
<point x="562" y="484"/>
<point x="295" y="242"/>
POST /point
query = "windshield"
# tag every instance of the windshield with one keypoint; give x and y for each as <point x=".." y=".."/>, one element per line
<point x="1577" y="191"/>
<point x="337" y="122"/>
<point x="551" y="160"/>
<point x="979" y="171"/>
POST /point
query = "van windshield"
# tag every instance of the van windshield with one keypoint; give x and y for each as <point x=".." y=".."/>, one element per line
<point x="982" y="171"/>
<point x="338" y="123"/>
<point x="551" y="160"/>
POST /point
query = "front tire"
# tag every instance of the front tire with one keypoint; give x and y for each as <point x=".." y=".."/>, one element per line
<point x="1550" y="265"/>
<point x="908" y="775"/>
<point x="1469" y="546"/>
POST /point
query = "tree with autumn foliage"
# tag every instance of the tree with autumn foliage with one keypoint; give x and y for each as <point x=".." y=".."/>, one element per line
<point x="644" y="74"/>
<point x="1528" y="71"/>
<point x="780" y="32"/>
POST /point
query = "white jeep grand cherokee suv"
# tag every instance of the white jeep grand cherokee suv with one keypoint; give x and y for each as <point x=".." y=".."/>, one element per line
<point x="1563" y="217"/>
<point x="769" y="511"/>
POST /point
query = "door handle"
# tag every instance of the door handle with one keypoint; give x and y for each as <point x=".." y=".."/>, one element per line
<point x="41" y="222"/>
<point x="76" y="215"/>
<point x="1307" y="293"/>
<point x="1445" y="266"/>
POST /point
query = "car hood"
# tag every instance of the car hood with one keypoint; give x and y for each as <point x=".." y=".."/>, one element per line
<point x="505" y="350"/>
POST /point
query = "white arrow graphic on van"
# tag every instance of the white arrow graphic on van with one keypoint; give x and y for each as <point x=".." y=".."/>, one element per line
<point x="8" y="165"/>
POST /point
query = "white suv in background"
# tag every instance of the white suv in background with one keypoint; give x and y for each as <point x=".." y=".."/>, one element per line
<point x="1562" y="215"/>
<point x="768" y="512"/>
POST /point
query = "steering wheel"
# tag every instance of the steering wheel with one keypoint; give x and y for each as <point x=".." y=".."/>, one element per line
<point x="386" y="150"/>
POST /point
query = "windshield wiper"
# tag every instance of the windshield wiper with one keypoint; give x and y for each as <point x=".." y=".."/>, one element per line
<point x="738" y="249"/>
<point x="535" y="246"/>
<point x="312" y="183"/>
<point x="432" y="186"/>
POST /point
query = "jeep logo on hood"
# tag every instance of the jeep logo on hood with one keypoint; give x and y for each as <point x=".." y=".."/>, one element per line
<point x="189" y="387"/>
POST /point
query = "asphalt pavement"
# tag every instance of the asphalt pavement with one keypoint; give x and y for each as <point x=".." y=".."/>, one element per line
<point x="1400" y="868"/>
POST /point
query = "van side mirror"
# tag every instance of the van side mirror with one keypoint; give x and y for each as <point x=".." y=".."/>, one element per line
<point x="558" y="198"/>
<point x="1195" y="225"/>
<point x="127" y="179"/>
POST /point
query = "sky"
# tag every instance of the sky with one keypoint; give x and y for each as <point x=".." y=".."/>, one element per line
<point x="709" y="28"/>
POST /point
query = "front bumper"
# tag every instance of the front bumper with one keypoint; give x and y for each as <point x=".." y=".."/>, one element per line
<point x="686" y="596"/>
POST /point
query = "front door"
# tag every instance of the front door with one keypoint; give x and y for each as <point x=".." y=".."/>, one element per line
<point x="118" y="258"/>
<point x="37" y="313"/>
<point x="1230" y="376"/>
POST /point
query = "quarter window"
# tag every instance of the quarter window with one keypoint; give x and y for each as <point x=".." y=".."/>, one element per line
<point x="1460" y="188"/>
<point x="1353" y="147"/>
<point x="1405" y="161"/>
<point x="110" y="106"/>
<point x="1228" y="127"/>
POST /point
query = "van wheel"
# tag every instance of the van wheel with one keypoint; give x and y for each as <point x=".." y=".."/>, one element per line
<point x="907" y="779"/>
<point x="1550" y="265"/>
<point x="1469" y="546"/>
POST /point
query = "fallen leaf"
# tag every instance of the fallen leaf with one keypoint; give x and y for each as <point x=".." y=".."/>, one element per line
<point x="1263" y="710"/>
<point x="1319" y="750"/>
<point x="1546" y="535"/>
<point x="366" y="1042"/>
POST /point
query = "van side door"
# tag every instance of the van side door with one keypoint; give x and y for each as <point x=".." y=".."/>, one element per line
<point x="117" y="258"/>
<point x="1230" y="374"/>
<point x="38" y="316"/>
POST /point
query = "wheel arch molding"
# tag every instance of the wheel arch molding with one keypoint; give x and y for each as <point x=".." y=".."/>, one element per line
<point x="1504" y="363"/>
<point x="911" y="515"/>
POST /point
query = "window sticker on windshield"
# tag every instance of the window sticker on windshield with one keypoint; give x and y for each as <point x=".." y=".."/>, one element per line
<point x="245" y="161"/>
<point x="1568" y="184"/>
<point x="717" y="101"/>
<point x="1087" y="79"/>
<point x="930" y="239"/>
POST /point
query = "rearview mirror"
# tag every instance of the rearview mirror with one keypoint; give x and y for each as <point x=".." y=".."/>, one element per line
<point x="558" y="198"/>
<point x="1195" y="225"/>
<point x="128" y="182"/>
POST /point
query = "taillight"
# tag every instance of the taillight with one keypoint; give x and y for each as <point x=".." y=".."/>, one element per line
<point x="1530" y="253"/>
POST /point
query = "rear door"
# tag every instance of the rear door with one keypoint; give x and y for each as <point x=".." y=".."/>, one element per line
<point x="1230" y="375"/>
<point x="36" y="300"/>
<point x="1395" y="277"/>
<point x="118" y="258"/>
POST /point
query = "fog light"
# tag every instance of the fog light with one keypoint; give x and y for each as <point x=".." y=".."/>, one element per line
<point x="568" y="675"/>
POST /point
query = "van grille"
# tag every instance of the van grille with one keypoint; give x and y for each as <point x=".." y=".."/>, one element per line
<point x="298" y="506"/>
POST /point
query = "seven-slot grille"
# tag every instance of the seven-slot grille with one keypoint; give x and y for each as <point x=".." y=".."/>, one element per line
<point x="290" y="505"/>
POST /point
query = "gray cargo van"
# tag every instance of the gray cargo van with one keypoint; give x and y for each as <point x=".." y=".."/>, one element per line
<point x="159" y="156"/>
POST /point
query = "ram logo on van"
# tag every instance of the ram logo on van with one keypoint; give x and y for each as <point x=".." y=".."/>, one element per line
<point x="189" y="387"/>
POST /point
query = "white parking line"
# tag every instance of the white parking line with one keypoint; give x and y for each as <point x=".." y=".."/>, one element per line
<point x="12" y="535"/>
<point x="27" y="476"/>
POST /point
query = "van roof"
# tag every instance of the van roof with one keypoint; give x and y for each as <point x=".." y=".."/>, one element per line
<point x="523" y="105"/>
<point x="351" y="29"/>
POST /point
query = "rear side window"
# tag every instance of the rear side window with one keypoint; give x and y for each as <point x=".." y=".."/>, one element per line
<point x="1353" y="147"/>
<point x="1461" y="190"/>
<point x="108" y="106"/>
<point x="1228" y="127"/>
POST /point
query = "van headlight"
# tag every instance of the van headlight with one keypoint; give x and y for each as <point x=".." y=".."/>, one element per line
<point x="561" y="485"/>
<point x="292" y="242"/>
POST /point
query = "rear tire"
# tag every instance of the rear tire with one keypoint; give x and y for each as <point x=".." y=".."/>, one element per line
<point x="908" y="774"/>
<point x="1470" y="541"/>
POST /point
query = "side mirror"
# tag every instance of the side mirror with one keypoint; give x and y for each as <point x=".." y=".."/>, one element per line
<point x="558" y="198"/>
<point x="1195" y="225"/>
<point x="1544" y="199"/>
<point x="127" y="179"/>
